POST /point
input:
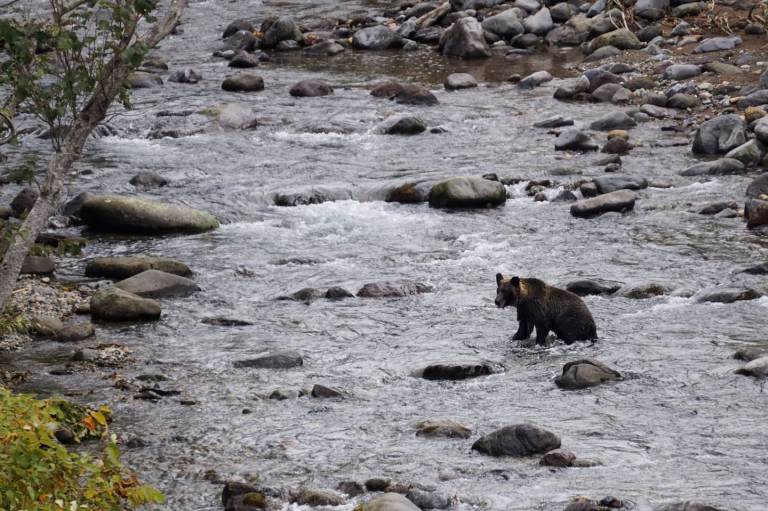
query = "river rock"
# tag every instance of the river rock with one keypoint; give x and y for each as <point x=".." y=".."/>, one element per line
<point x="148" y="180"/>
<point x="582" y="374"/>
<point x="651" y="9"/>
<point x="614" y="121"/>
<point x="687" y="506"/>
<point x="683" y="101"/>
<point x="723" y="166"/>
<point x="282" y="29"/>
<point x="682" y="71"/>
<point x="114" y="304"/>
<point x="717" y="44"/>
<point x="467" y="192"/>
<point x="756" y="98"/>
<point x="604" y="52"/>
<point x="457" y="81"/>
<point x="757" y="368"/>
<point x="620" y="201"/>
<point x="144" y="80"/>
<point x="325" y="48"/>
<point x="534" y="80"/>
<point x="593" y="287"/>
<point x="720" y="135"/>
<point x="750" y="153"/>
<point x="351" y="488"/>
<point x="456" y="371"/>
<point x="608" y="184"/>
<point x="237" y="116"/>
<point x="688" y="9"/>
<point x="559" y="458"/>
<point x="273" y="360"/>
<point x="392" y="289"/>
<point x="571" y="88"/>
<point x="616" y="145"/>
<point x="315" y="498"/>
<point x="599" y="77"/>
<point x="574" y="140"/>
<point x="758" y="187"/>
<point x="237" y="26"/>
<point x="750" y="354"/>
<point x="443" y="428"/>
<point x="23" y="202"/>
<point x="410" y="193"/>
<point x="622" y="38"/>
<point x="243" y="82"/>
<point x="411" y="94"/>
<point x="465" y="39"/>
<point x="557" y="121"/>
<point x="242" y="40"/>
<point x="310" y="89"/>
<point x="37" y="265"/>
<point x="388" y="502"/>
<point x="517" y="440"/>
<point x="402" y="125"/>
<point x="642" y="291"/>
<point x="761" y="130"/>
<point x="244" y="60"/>
<point x="428" y="499"/>
<point x="505" y="25"/>
<point x="539" y="23"/>
<point x="45" y="326"/>
<point x="375" y="38"/>
<point x="725" y="295"/>
<point x="113" y="213"/>
<point x="128" y="266"/>
<point x="565" y="35"/>
<point x="158" y="284"/>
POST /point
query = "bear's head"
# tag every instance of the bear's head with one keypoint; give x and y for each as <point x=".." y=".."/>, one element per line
<point x="508" y="291"/>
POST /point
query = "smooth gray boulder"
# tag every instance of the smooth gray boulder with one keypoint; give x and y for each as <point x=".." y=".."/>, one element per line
<point x="574" y="140"/>
<point x="651" y="9"/>
<point x="589" y="287"/>
<point x="613" y="121"/>
<point x="757" y="98"/>
<point x="717" y="44"/>
<point x="750" y="153"/>
<point x="457" y="81"/>
<point x="128" y="266"/>
<point x="388" y="502"/>
<point x="114" y="213"/>
<point x="324" y="49"/>
<point x="113" y="304"/>
<point x="720" y="135"/>
<point x="618" y="201"/>
<point x="275" y="360"/>
<point x="310" y="89"/>
<point x="282" y="29"/>
<point x="761" y="130"/>
<point x="533" y="80"/>
<point x="506" y="24"/>
<point x="539" y="23"/>
<point x="392" y="289"/>
<point x="571" y="88"/>
<point x="243" y="82"/>
<point x="158" y="284"/>
<point x="756" y="213"/>
<point x="378" y="37"/>
<point x="517" y="440"/>
<point x="465" y="39"/>
<point x="757" y="368"/>
<point x="725" y="295"/>
<point x="682" y="71"/>
<point x="723" y="166"/>
<point x="467" y="192"/>
<point x="608" y="184"/>
<point x="582" y="374"/>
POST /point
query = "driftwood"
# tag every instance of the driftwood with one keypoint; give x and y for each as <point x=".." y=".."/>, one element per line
<point x="433" y="16"/>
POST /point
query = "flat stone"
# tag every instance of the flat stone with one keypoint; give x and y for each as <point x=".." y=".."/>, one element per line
<point x="582" y="374"/>
<point x="113" y="304"/>
<point x="723" y="166"/>
<point x="393" y="289"/>
<point x="274" y="360"/>
<point x="128" y="266"/>
<point x="618" y="201"/>
<point x="76" y="332"/>
<point x="114" y="213"/>
<point x="467" y="192"/>
<point x="593" y="287"/>
<point x="158" y="284"/>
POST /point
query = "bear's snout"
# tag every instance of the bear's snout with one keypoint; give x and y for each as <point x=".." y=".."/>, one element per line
<point x="499" y="303"/>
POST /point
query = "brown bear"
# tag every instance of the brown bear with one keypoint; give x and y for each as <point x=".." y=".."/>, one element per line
<point x="547" y="308"/>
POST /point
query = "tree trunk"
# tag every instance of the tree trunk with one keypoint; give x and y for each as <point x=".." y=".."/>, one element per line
<point x="89" y="117"/>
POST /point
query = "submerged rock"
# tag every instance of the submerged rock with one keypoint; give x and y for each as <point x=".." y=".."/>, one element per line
<point x="593" y="287"/>
<point x="467" y="192"/>
<point x="402" y="125"/>
<point x="388" y="502"/>
<point x="613" y="121"/>
<point x="687" y="506"/>
<point x="411" y="94"/>
<point x="274" y="360"/>
<point x="310" y="89"/>
<point x="517" y="440"/>
<point x="158" y="284"/>
<point x="428" y="499"/>
<point x="114" y="304"/>
<point x="723" y="166"/>
<point x="114" y="213"/>
<point x="315" y="498"/>
<point x="582" y="374"/>
<point x="443" y="428"/>
<point x="619" y="201"/>
<point x="725" y="295"/>
<point x="243" y="82"/>
<point x="574" y="140"/>
<point x="391" y="289"/>
<point x="559" y="458"/>
<point x="128" y="266"/>
<point x="377" y="37"/>
<point x="456" y="372"/>
<point x="757" y="368"/>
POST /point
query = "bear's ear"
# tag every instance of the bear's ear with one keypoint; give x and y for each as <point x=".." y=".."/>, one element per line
<point x="499" y="278"/>
<point x="516" y="281"/>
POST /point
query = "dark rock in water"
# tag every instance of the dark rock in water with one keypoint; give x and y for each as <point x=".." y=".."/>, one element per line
<point x="388" y="89"/>
<point x="274" y="360"/>
<point x="410" y="193"/>
<point x="337" y="293"/>
<point x="321" y="391"/>
<point x="142" y="80"/>
<point x="582" y="374"/>
<point x="574" y="140"/>
<point x="642" y="291"/>
<point x="316" y="498"/>
<point x="243" y="82"/>
<point x="608" y="184"/>
<point x="113" y="213"/>
<point x="717" y="207"/>
<point x="456" y="372"/>
<point x="533" y="80"/>
<point x="620" y="201"/>
<point x="388" y="502"/>
<point x="351" y="488"/>
<point x="402" y="125"/>
<point x="723" y="166"/>
<point x="76" y="332"/>
<point x="312" y="196"/>
<point x="687" y="506"/>
<point x="616" y="145"/>
<point x="410" y="94"/>
<point x="37" y="265"/>
<point x="247" y="502"/>
<point x="244" y="60"/>
<point x="124" y="267"/>
<point x="241" y="40"/>
<point x="584" y="504"/>
<point x="284" y="394"/>
<point x="224" y="321"/>
<point x="559" y="458"/>
<point x="23" y="202"/>
<point x="148" y="180"/>
<point x="725" y="295"/>
<point x="158" y="284"/>
<point x="287" y="46"/>
<point x="233" y="489"/>
<point x="465" y="39"/>
<point x="324" y="49"/>
<point x="760" y="269"/>
<point x="377" y="484"/>
<point x="237" y="26"/>
<point x="593" y="287"/>
<point x="756" y="212"/>
<point x="310" y="89"/>
<point x="306" y="295"/>
<point x="572" y="88"/>
<point x="565" y="196"/>
<point x="392" y="289"/>
<point x="281" y="29"/>
<point x="614" y="121"/>
<point x="758" y="187"/>
<point x="377" y="37"/>
<point x="467" y="192"/>
<point x="557" y="121"/>
<point x="428" y="499"/>
<point x="443" y="428"/>
<point x="457" y="81"/>
<point x="750" y="153"/>
<point x="720" y="135"/>
<point x="750" y="354"/>
<point x="589" y="190"/>
<point x="114" y="304"/>
<point x="606" y="93"/>
<point x="517" y="440"/>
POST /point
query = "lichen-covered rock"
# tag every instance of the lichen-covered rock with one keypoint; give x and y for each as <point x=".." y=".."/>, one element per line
<point x="113" y="213"/>
<point x="113" y="304"/>
<point x="467" y="192"/>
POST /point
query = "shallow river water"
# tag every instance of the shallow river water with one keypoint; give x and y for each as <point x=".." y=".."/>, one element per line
<point x="681" y="426"/>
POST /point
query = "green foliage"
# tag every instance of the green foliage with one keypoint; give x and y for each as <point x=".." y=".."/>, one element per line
<point x="54" y="64"/>
<point x="37" y="473"/>
<point x="13" y="321"/>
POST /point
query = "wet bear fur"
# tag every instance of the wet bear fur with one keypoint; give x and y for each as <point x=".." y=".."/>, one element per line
<point x="547" y="308"/>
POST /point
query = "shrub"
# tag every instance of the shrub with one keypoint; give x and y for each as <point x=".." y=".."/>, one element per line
<point x="38" y="473"/>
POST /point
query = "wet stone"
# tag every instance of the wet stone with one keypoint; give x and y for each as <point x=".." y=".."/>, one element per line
<point x="392" y="289"/>
<point x="388" y="502"/>
<point x="582" y="374"/>
<point x="377" y="484"/>
<point x="517" y="440"/>
<point x="589" y="287"/>
<point x="725" y="295"/>
<point x="158" y="284"/>
<point x="619" y="201"/>
<point x="310" y="89"/>
<point x="456" y="372"/>
<point x="428" y="499"/>
<point x="275" y="360"/>
<point x="75" y="332"/>
<point x="559" y="458"/>
<point x="442" y="428"/>
<point x="316" y="498"/>
<point x="321" y="391"/>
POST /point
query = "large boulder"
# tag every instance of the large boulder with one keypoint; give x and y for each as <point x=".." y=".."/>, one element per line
<point x="282" y="29"/>
<point x="378" y="37"/>
<point x="622" y="38"/>
<point x="467" y="192"/>
<point x="517" y="440"/>
<point x="539" y="23"/>
<point x="388" y="502"/>
<point x="392" y="289"/>
<point x="128" y="266"/>
<point x="620" y="201"/>
<point x="465" y="39"/>
<point x="720" y="135"/>
<point x="274" y="360"/>
<point x="723" y="166"/>
<point x="582" y="374"/>
<point x="158" y="284"/>
<point x="113" y="304"/>
<point x="505" y="25"/>
<point x="750" y="153"/>
<point x="114" y="213"/>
